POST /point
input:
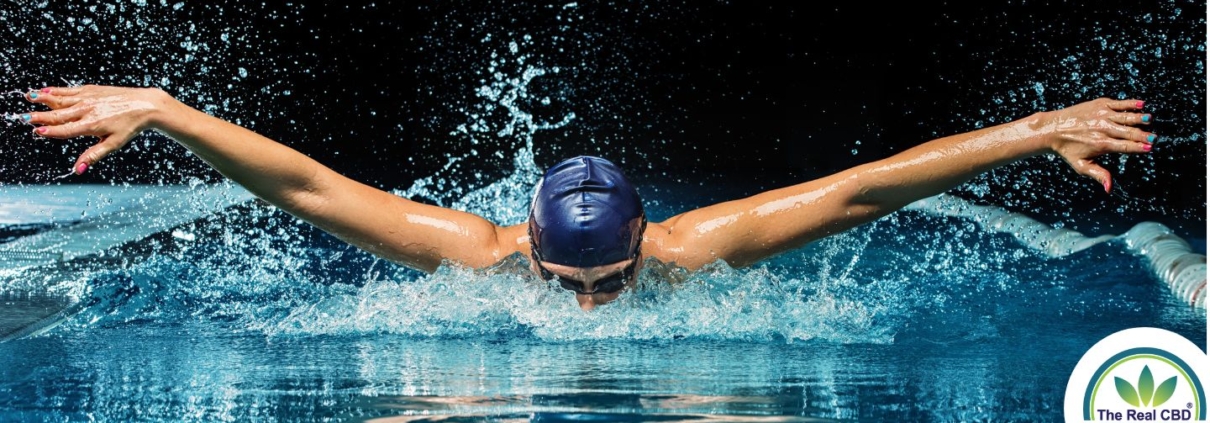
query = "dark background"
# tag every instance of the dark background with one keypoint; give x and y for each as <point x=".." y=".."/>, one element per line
<point x="746" y="95"/>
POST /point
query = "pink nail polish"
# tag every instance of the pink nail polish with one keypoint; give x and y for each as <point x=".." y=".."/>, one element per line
<point x="1139" y="104"/>
<point x="1107" y="187"/>
<point x="80" y="168"/>
<point x="1147" y="147"/>
<point x="46" y="90"/>
<point x="42" y="130"/>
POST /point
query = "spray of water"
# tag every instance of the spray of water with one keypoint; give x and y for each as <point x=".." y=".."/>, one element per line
<point x="199" y="54"/>
<point x="504" y="201"/>
<point x="1151" y="62"/>
<point x="261" y="271"/>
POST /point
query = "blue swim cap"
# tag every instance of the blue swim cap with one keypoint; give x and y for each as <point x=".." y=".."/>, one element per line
<point x="585" y="213"/>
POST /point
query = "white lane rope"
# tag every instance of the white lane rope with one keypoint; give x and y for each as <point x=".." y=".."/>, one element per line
<point x="1169" y="257"/>
<point x="152" y="211"/>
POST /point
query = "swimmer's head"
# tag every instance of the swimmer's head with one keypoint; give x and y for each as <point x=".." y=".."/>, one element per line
<point x="586" y="214"/>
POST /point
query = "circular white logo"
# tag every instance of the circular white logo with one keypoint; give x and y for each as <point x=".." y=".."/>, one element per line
<point x="1139" y="374"/>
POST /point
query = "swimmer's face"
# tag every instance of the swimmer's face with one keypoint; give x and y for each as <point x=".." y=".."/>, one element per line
<point x="587" y="277"/>
<point x="596" y="284"/>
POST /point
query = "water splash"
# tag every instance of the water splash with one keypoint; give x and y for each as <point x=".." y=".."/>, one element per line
<point x="506" y="200"/>
<point x="257" y="270"/>
<point x="1152" y="62"/>
<point x="254" y="269"/>
<point x="718" y="303"/>
<point x="187" y="51"/>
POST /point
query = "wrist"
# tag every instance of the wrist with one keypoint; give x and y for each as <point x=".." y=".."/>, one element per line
<point x="164" y="108"/>
<point x="1039" y="133"/>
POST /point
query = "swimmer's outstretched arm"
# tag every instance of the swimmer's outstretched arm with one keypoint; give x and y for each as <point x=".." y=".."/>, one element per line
<point x="395" y="228"/>
<point x="745" y="231"/>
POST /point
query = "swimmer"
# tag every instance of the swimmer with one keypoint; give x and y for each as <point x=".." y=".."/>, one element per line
<point x="586" y="226"/>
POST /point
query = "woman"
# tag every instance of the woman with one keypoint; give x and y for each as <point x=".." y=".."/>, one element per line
<point x="587" y="226"/>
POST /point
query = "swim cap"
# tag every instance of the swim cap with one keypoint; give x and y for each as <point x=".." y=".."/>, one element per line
<point x="585" y="213"/>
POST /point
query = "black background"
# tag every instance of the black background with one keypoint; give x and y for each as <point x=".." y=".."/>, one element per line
<point x="745" y="94"/>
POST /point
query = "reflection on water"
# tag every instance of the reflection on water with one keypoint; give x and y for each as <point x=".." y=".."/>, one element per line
<point x="592" y="406"/>
<point x="601" y="417"/>
<point x="206" y="372"/>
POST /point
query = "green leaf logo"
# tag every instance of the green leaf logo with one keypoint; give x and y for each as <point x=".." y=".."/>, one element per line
<point x="1164" y="391"/>
<point x="1147" y="394"/>
<point x="1146" y="386"/>
<point x="1126" y="391"/>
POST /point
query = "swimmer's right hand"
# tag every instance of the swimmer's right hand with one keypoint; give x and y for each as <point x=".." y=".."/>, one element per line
<point x="112" y="114"/>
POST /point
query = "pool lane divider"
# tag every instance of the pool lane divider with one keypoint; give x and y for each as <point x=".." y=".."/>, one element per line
<point x="1169" y="257"/>
<point x="122" y="215"/>
<point x="140" y="212"/>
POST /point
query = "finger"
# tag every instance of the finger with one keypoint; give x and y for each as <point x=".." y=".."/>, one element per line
<point x="1129" y="147"/>
<point x="55" y="117"/>
<point x="63" y="91"/>
<point x="1097" y="173"/>
<point x="52" y="99"/>
<point x="33" y="95"/>
<point x="67" y="130"/>
<point x="1126" y="105"/>
<point x="1130" y="118"/>
<point x="94" y="154"/>
<point x="1130" y="134"/>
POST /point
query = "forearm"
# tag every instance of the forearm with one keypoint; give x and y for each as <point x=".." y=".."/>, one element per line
<point x="271" y="171"/>
<point x="384" y="224"/>
<point x="748" y="230"/>
<point x="939" y="165"/>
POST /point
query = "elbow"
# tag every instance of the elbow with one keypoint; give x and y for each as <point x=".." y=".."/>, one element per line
<point x="869" y="200"/>
<point x="306" y="197"/>
<point x="865" y="190"/>
<point x="878" y="193"/>
<point x="306" y="205"/>
<point x="865" y="185"/>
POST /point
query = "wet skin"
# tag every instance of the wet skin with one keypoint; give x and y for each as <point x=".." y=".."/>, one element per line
<point x="739" y="232"/>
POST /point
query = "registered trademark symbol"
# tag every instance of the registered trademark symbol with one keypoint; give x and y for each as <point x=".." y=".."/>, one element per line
<point x="1188" y="405"/>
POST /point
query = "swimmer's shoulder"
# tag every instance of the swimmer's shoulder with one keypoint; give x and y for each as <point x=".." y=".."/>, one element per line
<point x="512" y="239"/>
<point x="658" y="243"/>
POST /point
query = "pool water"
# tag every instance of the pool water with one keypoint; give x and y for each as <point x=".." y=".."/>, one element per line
<point x="249" y="314"/>
<point x="225" y="309"/>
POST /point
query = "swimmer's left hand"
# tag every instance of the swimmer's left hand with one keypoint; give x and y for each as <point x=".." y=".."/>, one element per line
<point x="113" y="114"/>
<point x="1087" y="130"/>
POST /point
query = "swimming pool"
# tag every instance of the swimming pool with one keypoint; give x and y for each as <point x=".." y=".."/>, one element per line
<point x="251" y="314"/>
<point x="227" y="310"/>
